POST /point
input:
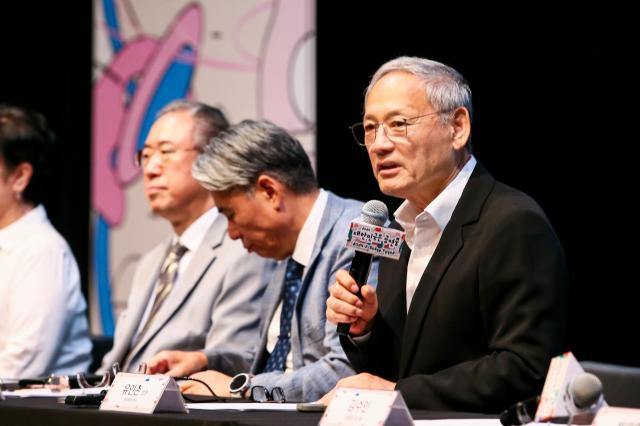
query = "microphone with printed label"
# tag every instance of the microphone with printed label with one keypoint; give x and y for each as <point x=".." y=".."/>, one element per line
<point x="374" y="213"/>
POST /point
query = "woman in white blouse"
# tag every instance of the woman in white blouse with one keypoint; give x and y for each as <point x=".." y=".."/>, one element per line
<point x="43" y="324"/>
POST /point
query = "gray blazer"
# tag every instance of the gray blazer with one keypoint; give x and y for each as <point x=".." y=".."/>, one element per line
<point x="215" y="302"/>
<point x="318" y="359"/>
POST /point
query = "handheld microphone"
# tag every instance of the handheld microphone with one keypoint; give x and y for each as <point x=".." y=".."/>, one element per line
<point x="375" y="213"/>
<point x="584" y="391"/>
<point x="582" y="396"/>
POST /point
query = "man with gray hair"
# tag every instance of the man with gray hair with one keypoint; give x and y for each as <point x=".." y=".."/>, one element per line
<point x="197" y="289"/>
<point x="262" y="181"/>
<point x="471" y="314"/>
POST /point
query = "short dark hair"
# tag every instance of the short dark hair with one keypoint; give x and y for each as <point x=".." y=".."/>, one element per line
<point x="25" y="138"/>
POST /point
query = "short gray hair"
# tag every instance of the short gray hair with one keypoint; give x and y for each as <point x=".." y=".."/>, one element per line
<point x="208" y="120"/>
<point x="446" y="88"/>
<point x="235" y="159"/>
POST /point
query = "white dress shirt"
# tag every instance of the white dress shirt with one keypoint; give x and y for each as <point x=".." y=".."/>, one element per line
<point x="191" y="238"/>
<point x="43" y="324"/>
<point x="424" y="228"/>
<point x="301" y="254"/>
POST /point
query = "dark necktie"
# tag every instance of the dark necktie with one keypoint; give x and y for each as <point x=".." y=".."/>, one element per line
<point x="292" y="280"/>
<point x="166" y="278"/>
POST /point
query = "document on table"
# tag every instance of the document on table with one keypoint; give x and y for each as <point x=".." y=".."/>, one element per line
<point x="467" y="422"/>
<point x="242" y="406"/>
<point x="458" y="422"/>
<point x="42" y="392"/>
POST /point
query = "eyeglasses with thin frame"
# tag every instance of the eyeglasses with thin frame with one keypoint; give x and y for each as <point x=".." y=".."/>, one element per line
<point x="262" y="394"/>
<point x="395" y="129"/>
<point x="165" y="154"/>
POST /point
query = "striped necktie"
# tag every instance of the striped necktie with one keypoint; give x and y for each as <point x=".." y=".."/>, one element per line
<point x="166" y="278"/>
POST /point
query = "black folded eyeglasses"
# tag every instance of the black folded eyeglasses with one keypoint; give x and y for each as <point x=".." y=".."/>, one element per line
<point x="262" y="394"/>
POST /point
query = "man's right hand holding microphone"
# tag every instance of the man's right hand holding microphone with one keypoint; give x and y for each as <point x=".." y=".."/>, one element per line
<point x="344" y="306"/>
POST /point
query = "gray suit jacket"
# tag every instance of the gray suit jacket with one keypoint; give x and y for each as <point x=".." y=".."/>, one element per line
<point x="318" y="359"/>
<point x="215" y="302"/>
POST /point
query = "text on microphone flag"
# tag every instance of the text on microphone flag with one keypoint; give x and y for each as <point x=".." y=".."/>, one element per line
<point x="375" y="240"/>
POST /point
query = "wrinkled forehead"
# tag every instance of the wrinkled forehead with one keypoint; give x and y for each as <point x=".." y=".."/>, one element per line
<point x="175" y="128"/>
<point x="396" y="93"/>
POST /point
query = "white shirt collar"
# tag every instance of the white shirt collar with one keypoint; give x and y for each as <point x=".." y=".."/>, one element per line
<point x="192" y="237"/>
<point x="441" y="208"/>
<point x="15" y="232"/>
<point x="309" y="232"/>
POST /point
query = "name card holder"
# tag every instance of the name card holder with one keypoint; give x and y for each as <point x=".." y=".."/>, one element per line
<point x="143" y="393"/>
<point x="361" y="407"/>
<point x="553" y="400"/>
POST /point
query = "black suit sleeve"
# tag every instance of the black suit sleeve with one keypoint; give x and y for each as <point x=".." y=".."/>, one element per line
<point x="495" y="321"/>
<point x="521" y="283"/>
<point x="384" y="365"/>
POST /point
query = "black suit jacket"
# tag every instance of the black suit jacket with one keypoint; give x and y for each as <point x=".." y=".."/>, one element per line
<point x="487" y="315"/>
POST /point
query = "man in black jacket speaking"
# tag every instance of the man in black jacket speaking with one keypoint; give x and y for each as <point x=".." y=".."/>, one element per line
<point x="471" y="314"/>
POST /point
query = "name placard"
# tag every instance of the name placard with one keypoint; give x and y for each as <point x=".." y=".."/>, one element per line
<point x="553" y="401"/>
<point x="616" y="416"/>
<point x="376" y="240"/>
<point x="143" y="393"/>
<point x="361" y="407"/>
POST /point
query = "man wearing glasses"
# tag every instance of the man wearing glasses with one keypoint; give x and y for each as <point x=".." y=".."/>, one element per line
<point x="262" y="181"/>
<point x="197" y="289"/>
<point x="471" y="314"/>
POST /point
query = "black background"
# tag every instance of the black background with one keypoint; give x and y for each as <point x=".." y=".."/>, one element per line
<point x="555" y="116"/>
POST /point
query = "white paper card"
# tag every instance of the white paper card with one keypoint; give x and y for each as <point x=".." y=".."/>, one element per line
<point x="241" y="406"/>
<point x="44" y="393"/>
<point x="376" y="240"/>
<point x="459" y="422"/>
<point x="143" y="393"/>
<point x="615" y="416"/>
<point x="363" y="407"/>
